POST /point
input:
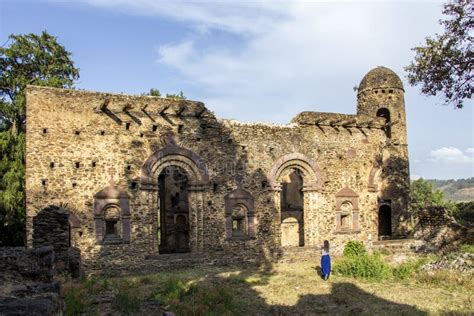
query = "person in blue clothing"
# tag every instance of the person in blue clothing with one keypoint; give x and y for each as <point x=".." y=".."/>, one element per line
<point x="325" y="261"/>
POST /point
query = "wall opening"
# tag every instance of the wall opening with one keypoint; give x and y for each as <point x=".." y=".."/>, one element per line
<point x="292" y="204"/>
<point x="385" y="113"/>
<point x="385" y="221"/>
<point x="173" y="227"/>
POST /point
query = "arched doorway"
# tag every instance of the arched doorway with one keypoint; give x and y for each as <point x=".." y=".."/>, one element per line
<point x="296" y="180"/>
<point x="385" y="221"/>
<point x="292" y="209"/>
<point x="173" y="226"/>
<point x="189" y="227"/>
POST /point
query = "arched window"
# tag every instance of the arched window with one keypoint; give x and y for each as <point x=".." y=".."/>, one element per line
<point x="385" y="113"/>
<point x="112" y="216"/>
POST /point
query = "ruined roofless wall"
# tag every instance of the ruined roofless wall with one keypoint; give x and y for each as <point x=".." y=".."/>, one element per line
<point x="80" y="143"/>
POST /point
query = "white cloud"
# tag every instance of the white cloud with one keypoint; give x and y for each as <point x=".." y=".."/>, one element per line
<point x="452" y="155"/>
<point x="285" y="55"/>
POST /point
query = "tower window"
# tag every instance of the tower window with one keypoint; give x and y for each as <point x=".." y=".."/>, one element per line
<point x="385" y="113"/>
<point x="45" y="130"/>
<point x="154" y="127"/>
<point x="51" y="165"/>
<point x="102" y="133"/>
<point x="77" y="133"/>
<point x="93" y="164"/>
<point x="77" y="164"/>
<point x="127" y="126"/>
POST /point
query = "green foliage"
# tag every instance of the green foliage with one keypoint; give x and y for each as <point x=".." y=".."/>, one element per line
<point x="170" y="291"/>
<point x="29" y="60"/>
<point x="464" y="212"/>
<point x="370" y="267"/>
<point x="179" y="96"/>
<point x="357" y="263"/>
<point x="466" y="248"/>
<point x="74" y="300"/>
<point x="407" y="269"/>
<point x="445" y="64"/>
<point x="422" y="195"/>
<point x="154" y="92"/>
<point x="354" y="249"/>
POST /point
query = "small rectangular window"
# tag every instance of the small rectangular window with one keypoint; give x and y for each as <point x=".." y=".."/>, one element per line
<point x="51" y="165"/>
<point x="154" y="127"/>
<point x="77" y="133"/>
<point x="45" y="130"/>
<point x="127" y="126"/>
<point x="77" y="164"/>
<point x="93" y="164"/>
<point x="102" y="133"/>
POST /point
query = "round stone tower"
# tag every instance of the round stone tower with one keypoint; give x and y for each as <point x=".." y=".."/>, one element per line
<point x="381" y="94"/>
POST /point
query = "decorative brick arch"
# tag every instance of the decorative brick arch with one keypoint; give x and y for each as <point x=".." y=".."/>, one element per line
<point x="172" y="155"/>
<point x="105" y="199"/>
<point x="312" y="174"/>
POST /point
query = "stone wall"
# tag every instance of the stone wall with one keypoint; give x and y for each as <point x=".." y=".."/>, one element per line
<point x="27" y="282"/>
<point x="98" y="152"/>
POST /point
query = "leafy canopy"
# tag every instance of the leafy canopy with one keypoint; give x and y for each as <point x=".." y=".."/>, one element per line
<point x="445" y="64"/>
<point x="31" y="60"/>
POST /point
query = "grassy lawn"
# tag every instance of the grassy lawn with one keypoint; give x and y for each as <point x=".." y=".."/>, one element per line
<point x="279" y="289"/>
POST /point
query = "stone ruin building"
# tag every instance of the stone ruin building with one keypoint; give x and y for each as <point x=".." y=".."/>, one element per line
<point x="145" y="176"/>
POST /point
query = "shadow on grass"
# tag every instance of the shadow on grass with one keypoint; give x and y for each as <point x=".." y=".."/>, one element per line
<point x="239" y="292"/>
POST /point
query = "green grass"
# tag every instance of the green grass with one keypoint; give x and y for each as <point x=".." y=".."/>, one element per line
<point x="285" y="288"/>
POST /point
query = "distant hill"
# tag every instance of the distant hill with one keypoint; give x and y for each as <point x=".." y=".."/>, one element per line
<point x="461" y="190"/>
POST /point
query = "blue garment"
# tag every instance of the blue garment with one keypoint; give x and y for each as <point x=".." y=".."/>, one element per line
<point x="325" y="265"/>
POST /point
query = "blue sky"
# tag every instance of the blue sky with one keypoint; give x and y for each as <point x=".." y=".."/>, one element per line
<point x="257" y="60"/>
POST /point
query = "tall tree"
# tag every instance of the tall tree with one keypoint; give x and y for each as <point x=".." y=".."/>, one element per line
<point x="29" y="59"/>
<point x="445" y="64"/>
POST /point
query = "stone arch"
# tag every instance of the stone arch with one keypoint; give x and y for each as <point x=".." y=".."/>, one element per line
<point x="309" y="169"/>
<point x="312" y="177"/>
<point x="173" y="155"/>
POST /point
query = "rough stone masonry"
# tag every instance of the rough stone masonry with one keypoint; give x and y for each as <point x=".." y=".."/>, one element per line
<point x="145" y="176"/>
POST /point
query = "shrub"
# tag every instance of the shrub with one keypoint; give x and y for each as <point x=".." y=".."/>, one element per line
<point x="407" y="269"/>
<point x="363" y="266"/>
<point x="467" y="248"/>
<point x="74" y="300"/>
<point x="354" y="249"/>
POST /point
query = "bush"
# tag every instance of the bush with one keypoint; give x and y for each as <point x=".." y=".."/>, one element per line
<point x="467" y="248"/>
<point x="407" y="269"/>
<point x="363" y="266"/>
<point x="464" y="212"/>
<point x="354" y="249"/>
